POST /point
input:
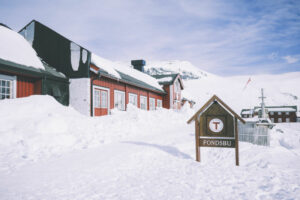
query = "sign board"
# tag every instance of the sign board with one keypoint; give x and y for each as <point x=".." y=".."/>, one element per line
<point x="216" y="126"/>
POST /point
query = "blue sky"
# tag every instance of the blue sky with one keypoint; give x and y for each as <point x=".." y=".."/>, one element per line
<point x="222" y="37"/>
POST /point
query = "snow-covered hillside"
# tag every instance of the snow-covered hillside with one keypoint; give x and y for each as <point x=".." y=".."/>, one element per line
<point x="48" y="151"/>
<point x="187" y="70"/>
<point x="282" y="89"/>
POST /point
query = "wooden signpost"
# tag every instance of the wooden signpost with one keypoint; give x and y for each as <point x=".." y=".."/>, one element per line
<point x="216" y="126"/>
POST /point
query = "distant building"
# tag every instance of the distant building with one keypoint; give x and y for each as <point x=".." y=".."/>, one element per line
<point x="277" y="114"/>
<point x="172" y="84"/>
<point x="189" y="101"/>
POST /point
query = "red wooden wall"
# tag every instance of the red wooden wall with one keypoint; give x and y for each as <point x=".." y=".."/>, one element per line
<point x="28" y="86"/>
<point x="115" y="85"/>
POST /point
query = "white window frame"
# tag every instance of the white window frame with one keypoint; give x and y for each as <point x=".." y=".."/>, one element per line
<point x="108" y="98"/>
<point x="159" y="103"/>
<point x="13" y="80"/>
<point x="123" y="97"/>
<point x="102" y="92"/>
<point x="96" y="98"/>
<point x="152" y="101"/>
<point x="145" y="98"/>
<point x="132" y="95"/>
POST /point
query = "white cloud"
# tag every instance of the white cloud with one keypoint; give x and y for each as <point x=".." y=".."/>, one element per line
<point x="215" y="36"/>
<point x="290" y="59"/>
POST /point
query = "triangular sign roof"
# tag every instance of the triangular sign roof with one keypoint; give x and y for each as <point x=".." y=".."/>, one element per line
<point x="208" y="103"/>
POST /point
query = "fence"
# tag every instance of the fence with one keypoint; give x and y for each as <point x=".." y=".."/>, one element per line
<point x="254" y="134"/>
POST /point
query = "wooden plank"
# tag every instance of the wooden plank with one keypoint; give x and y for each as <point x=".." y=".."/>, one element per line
<point x="237" y="162"/>
<point x="197" y="141"/>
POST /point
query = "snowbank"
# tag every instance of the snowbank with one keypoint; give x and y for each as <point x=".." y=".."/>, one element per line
<point x="39" y="127"/>
<point x="15" y="48"/>
<point x="49" y="151"/>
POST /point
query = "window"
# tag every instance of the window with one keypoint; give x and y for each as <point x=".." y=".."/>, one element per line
<point x="151" y="103"/>
<point x="143" y="102"/>
<point x="6" y="87"/>
<point x="103" y="99"/>
<point x="119" y="100"/>
<point x="287" y="113"/>
<point x="271" y="113"/>
<point x="97" y="98"/>
<point x="279" y="120"/>
<point x="159" y="103"/>
<point x="287" y="120"/>
<point x="279" y="113"/>
<point x="272" y="119"/>
<point x="133" y="99"/>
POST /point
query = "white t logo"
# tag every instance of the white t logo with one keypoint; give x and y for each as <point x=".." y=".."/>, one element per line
<point x="216" y="125"/>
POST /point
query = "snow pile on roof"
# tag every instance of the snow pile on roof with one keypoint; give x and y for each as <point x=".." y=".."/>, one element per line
<point x="15" y="48"/>
<point x="281" y="109"/>
<point x="165" y="79"/>
<point x="48" y="151"/>
<point x="105" y="65"/>
<point x="146" y="78"/>
<point x="113" y="67"/>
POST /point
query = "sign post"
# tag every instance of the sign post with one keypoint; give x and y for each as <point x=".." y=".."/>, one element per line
<point x="216" y="126"/>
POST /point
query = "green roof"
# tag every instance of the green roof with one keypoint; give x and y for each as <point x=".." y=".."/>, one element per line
<point x="131" y="80"/>
<point x="13" y="67"/>
<point x="163" y="76"/>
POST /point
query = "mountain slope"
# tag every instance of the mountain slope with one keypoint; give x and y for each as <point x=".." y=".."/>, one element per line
<point x="282" y="89"/>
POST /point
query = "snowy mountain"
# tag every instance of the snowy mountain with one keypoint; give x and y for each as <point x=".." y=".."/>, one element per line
<point x="281" y="89"/>
<point x="187" y="70"/>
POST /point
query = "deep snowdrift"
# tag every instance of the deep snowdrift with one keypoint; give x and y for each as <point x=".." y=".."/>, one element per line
<point x="48" y="151"/>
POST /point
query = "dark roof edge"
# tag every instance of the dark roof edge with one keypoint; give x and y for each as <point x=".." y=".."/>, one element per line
<point x="53" y="31"/>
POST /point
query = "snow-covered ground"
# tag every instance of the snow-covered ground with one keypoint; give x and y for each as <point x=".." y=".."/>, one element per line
<point x="48" y="151"/>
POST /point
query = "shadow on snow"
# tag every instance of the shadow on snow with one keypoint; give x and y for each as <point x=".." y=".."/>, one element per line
<point x="168" y="149"/>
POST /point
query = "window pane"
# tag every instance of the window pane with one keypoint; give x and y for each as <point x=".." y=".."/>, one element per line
<point x="97" y="98"/>
<point x="103" y="99"/>
<point x="119" y="100"/>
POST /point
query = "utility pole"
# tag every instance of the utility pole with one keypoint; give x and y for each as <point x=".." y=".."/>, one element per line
<point x="263" y="112"/>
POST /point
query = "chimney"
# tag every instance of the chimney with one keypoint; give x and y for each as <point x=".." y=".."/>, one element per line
<point x="138" y="64"/>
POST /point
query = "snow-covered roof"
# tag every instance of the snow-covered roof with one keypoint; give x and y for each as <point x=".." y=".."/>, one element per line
<point x="105" y="64"/>
<point x="114" y="69"/>
<point x="15" y="48"/>
<point x="278" y="109"/>
<point x="165" y="79"/>
<point x="281" y="109"/>
<point x="247" y="112"/>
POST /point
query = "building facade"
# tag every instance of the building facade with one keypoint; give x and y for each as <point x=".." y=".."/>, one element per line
<point x="21" y="77"/>
<point x="98" y="85"/>
<point x="277" y="114"/>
